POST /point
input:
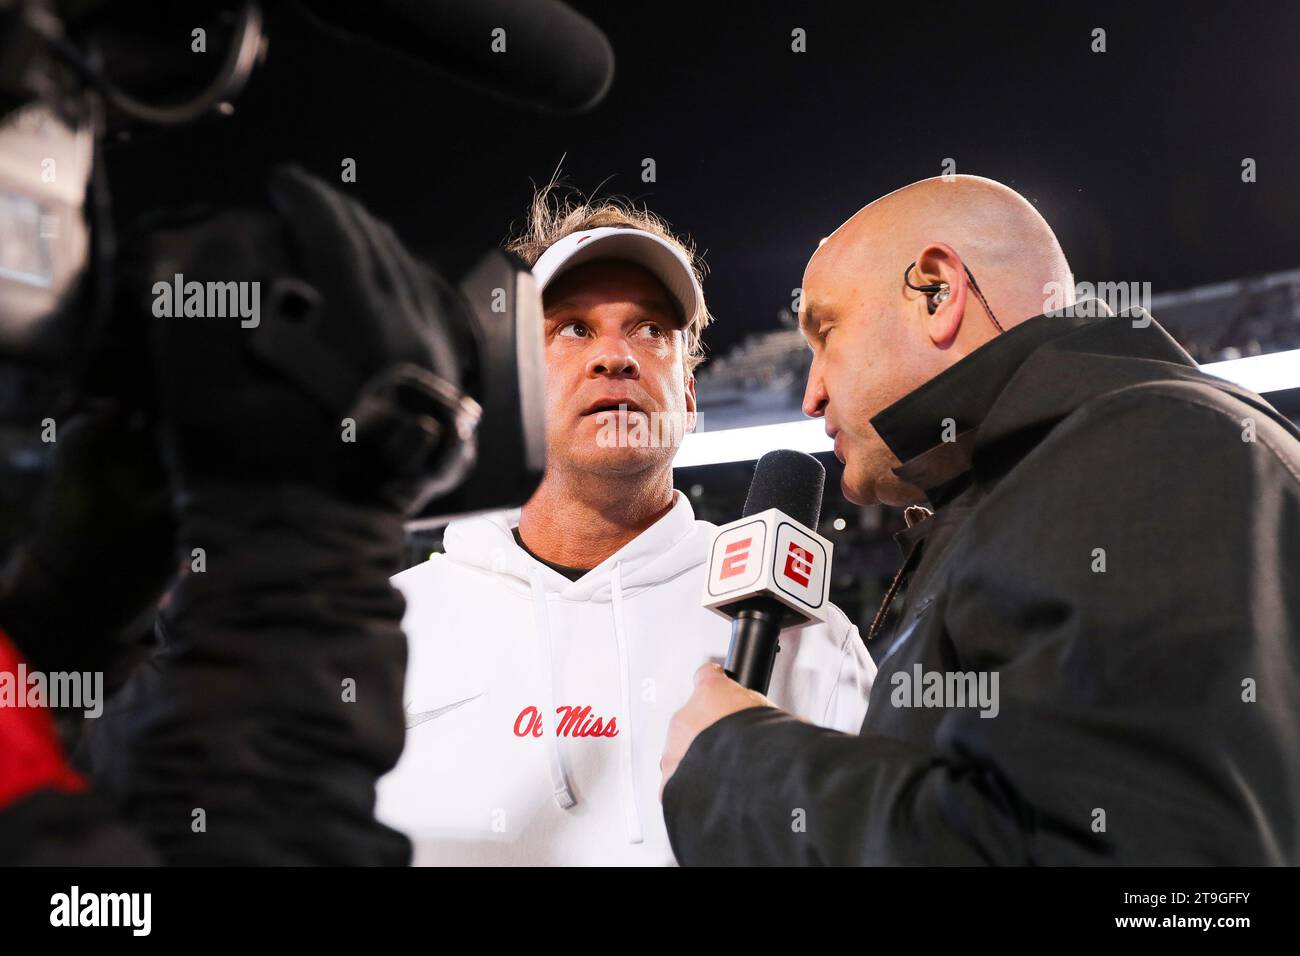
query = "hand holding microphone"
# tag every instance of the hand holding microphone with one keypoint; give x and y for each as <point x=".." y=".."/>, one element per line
<point x="767" y="571"/>
<point x="770" y="570"/>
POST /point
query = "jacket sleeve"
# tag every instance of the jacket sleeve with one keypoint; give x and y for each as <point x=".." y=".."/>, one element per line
<point x="278" y="703"/>
<point x="1134" y="588"/>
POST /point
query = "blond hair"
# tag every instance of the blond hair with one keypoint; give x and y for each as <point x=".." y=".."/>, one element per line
<point x="556" y="212"/>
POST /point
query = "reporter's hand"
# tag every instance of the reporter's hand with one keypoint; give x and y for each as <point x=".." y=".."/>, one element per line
<point x="715" y="696"/>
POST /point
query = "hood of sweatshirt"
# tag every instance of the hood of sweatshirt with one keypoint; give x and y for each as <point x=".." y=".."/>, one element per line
<point x="673" y="545"/>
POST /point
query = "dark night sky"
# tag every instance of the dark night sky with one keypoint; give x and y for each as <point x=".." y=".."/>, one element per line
<point x="1134" y="155"/>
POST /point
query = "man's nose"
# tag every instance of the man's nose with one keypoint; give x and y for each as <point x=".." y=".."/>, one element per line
<point x="613" y="358"/>
<point x="814" y="395"/>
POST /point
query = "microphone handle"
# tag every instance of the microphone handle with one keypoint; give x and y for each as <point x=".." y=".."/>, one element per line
<point x="755" y="640"/>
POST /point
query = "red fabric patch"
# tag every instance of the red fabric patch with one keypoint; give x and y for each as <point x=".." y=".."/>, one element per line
<point x="30" y="756"/>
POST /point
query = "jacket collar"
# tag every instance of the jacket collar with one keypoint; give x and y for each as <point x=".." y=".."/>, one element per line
<point x="954" y="403"/>
<point x="1022" y="382"/>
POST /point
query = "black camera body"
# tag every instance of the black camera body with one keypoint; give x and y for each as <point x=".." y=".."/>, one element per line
<point x="61" y="275"/>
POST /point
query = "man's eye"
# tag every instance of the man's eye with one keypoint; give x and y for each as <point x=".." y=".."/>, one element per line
<point x="579" y="330"/>
<point x="653" y="331"/>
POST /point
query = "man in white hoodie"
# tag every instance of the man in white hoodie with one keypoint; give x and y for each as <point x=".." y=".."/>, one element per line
<point x="550" y="646"/>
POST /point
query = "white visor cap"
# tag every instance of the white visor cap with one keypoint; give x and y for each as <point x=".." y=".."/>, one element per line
<point x="654" y="254"/>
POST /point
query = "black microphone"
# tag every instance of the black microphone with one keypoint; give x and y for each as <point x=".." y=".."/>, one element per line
<point x="554" y="59"/>
<point x="770" y="569"/>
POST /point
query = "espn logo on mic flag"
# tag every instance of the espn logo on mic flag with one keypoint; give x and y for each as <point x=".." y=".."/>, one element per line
<point x="770" y="554"/>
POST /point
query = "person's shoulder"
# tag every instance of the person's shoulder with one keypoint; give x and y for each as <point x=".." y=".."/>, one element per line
<point x="850" y="643"/>
<point x="1139" y="474"/>
<point x="432" y="572"/>
<point x="441" y="590"/>
<point x="440" y="572"/>
<point x="837" y="620"/>
<point x="830" y="674"/>
<point x="1155" y="435"/>
<point x="1188" y="416"/>
<point x="832" y="638"/>
<point x="705" y="529"/>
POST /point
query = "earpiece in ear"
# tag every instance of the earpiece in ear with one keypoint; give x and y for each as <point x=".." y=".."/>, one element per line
<point x="939" y="298"/>
<point x="938" y="292"/>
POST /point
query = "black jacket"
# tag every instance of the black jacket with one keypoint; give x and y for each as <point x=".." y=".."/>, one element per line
<point x="257" y="735"/>
<point x="1116" y="537"/>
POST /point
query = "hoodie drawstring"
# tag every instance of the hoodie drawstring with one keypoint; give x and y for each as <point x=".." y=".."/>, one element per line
<point x="631" y="817"/>
<point x="561" y="788"/>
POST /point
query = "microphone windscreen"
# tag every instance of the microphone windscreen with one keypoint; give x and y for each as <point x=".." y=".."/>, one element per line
<point x="538" y="53"/>
<point x="790" y="481"/>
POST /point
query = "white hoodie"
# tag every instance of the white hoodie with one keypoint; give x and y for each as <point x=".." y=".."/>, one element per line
<point x="537" y="707"/>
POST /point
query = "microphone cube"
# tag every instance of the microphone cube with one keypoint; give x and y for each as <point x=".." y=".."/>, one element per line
<point x="770" y="555"/>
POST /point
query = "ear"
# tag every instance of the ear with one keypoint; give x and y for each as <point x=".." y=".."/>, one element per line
<point x="939" y="263"/>
<point x="690" y="402"/>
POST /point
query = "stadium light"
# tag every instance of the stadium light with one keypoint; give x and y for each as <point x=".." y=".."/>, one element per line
<point x="1259" y="373"/>
<point x="747" y="444"/>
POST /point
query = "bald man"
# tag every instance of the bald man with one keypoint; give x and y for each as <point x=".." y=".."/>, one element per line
<point x="1091" y="653"/>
